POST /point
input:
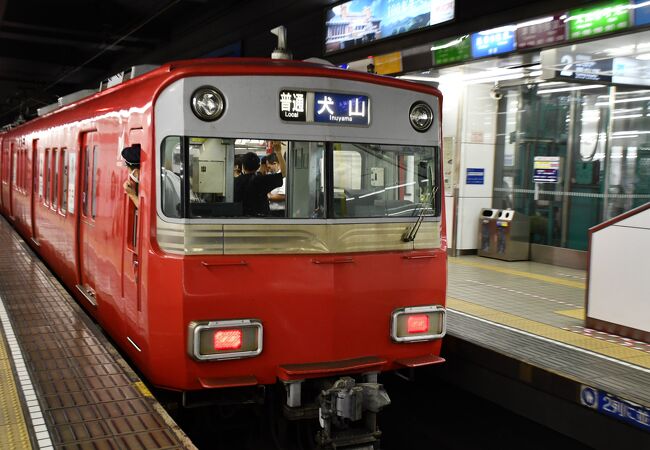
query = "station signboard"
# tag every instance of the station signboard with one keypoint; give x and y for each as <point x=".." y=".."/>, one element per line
<point x="541" y="32"/>
<point x="450" y="51"/>
<point x="641" y="13"/>
<point x="618" y="408"/>
<point x="493" y="42"/>
<point x="475" y="175"/>
<point x="606" y="18"/>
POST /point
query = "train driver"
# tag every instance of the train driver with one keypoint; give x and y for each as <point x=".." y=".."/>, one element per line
<point x="131" y="157"/>
<point x="252" y="189"/>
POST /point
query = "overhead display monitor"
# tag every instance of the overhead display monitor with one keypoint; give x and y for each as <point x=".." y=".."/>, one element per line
<point x="358" y="22"/>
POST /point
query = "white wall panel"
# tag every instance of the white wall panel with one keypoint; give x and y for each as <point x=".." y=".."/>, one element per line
<point x="640" y="220"/>
<point x="619" y="276"/>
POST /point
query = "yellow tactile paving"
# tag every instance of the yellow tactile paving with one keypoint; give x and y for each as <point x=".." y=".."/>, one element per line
<point x="13" y="430"/>
<point x="600" y="346"/>
<point x="520" y="273"/>
<point x="573" y="313"/>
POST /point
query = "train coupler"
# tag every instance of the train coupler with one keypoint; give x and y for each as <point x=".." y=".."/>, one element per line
<point x="342" y="408"/>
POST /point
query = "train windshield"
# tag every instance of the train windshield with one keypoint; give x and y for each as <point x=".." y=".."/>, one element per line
<point x="232" y="178"/>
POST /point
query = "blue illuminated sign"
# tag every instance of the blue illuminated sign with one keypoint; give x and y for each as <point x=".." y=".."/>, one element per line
<point x="475" y="176"/>
<point x="641" y="14"/>
<point x="493" y="42"/>
<point x="613" y="406"/>
<point x="341" y="109"/>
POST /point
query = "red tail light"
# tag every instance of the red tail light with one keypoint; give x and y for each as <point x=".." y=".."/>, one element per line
<point x="417" y="323"/>
<point x="228" y="339"/>
<point x="224" y="339"/>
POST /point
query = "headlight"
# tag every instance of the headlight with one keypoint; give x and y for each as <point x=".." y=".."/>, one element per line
<point x="224" y="339"/>
<point x="208" y="103"/>
<point x="421" y="116"/>
<point x="418" y="323"/>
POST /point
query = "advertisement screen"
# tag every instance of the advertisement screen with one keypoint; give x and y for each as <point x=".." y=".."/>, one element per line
<point x="358" y="22"/>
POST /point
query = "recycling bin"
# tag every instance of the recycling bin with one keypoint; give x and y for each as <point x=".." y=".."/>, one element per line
<point x="487" y="232"/>
<point x="512" y="236"/>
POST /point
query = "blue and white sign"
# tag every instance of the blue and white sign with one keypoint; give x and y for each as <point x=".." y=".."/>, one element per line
<point x="475" y="176"/>
<point x="613" y="406"/>
<point x="641" y="14"/>
<point x="546" y="169"/>
<point x="341" y="109"/>
<point x="494" y="41"/>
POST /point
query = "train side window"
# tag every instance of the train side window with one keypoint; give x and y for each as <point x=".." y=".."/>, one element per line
<point x="94" y="183"/>
<point x="72" y="181"/>
<point x="23" y="170"/>
<point x="41" y="161"/>
<point x="55" y="179"/>
<point x="46" y="170"/>
<point x="84" y="190"/>
<point x="64" y="180"/>
<point x="21" y="174"/>
<point x="13" y="168"/>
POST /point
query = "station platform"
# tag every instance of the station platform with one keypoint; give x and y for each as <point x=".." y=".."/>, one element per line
<point x="524" y="321"/>
<point x="62" y="384"/>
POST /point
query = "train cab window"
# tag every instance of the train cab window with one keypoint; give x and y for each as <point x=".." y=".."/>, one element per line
<point x="209" y="189"/>
<point x="55" y="179"/>
<point x="171" y="176"/>
<point x="48" y="179"/>
<point x="373" y="180"/>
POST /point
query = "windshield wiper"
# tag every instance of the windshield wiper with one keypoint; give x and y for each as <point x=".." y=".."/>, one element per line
<point x="412" y="231"/>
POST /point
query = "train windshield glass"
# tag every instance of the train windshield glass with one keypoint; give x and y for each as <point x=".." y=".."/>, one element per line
<point x="232" y="178"/>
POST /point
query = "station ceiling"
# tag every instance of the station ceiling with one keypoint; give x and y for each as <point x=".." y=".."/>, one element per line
<point x="51" y="48"/>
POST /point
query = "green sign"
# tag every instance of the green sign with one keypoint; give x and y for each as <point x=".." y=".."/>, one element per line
<point x="587" y="22"/>
<point x="452" y="51"/>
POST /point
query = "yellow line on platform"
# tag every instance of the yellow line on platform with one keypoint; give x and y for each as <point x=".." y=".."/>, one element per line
<point x="13" y="430"/>
<point x="617" y="351"/>
<point x="573" y="313"/>
<point x="520" y="273"/>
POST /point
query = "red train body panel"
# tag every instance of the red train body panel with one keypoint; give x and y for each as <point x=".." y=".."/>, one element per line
<point x="316" y="307"/>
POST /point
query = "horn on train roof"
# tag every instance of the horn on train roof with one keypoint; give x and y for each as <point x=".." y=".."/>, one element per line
<point x="281" y="51"/>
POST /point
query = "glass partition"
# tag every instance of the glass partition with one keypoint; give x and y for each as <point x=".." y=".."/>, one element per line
<point x="599" y="135"/>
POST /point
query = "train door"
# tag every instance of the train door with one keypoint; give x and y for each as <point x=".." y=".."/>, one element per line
<point x="131" y="261"/>
<point x="87" y="257"/>
<point x="37" y="192"/>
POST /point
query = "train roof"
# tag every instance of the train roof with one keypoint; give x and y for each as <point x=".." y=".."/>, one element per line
<point x="170" y="71"/>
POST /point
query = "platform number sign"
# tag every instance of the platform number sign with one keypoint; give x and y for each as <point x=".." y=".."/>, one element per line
<point x="292" y="106"/>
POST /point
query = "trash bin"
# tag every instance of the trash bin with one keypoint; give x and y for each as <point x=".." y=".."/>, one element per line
<point x="487" y="232"/>
<point x="512" y="236"/>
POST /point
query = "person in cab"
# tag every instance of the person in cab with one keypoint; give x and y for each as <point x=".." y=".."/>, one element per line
<point x="131" y="156"/>
<point x="252" y="188"/>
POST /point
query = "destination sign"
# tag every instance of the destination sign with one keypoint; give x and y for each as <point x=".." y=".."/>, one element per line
<point x="324" y="107"/>
<point x="341" y="109"/>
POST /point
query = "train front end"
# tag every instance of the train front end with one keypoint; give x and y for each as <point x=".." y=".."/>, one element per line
<point x="343" y="280"/>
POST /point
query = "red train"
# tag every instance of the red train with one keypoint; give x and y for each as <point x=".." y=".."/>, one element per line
<point x="346" y="281"/>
